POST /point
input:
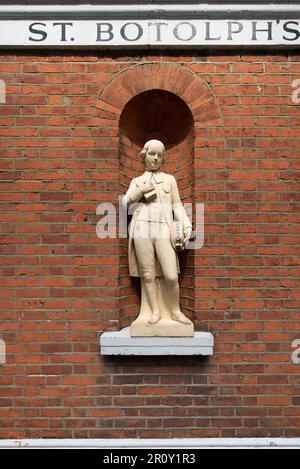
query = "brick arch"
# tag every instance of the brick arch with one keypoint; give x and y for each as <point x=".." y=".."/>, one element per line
<point x="164" y="76"/>
<point x="181" y="161"/>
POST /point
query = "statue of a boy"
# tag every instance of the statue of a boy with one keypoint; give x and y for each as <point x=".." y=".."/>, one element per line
<point x="159" y="228"/>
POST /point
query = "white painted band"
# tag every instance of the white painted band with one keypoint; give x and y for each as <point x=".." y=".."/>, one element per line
<point x="145" y="11"/>
<point x="188" y="443"/>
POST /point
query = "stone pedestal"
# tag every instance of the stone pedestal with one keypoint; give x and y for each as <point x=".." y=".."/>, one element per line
<point x="122" y="343"/>
<point x="164" y="328"/>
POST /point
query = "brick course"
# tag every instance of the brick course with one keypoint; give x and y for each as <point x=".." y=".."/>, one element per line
<point x="61" y="286"/>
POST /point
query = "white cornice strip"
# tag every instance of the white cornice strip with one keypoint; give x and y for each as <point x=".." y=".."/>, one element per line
<point x="145" y="11"/>
<point x="176" y="443"/>
<point x="150" y="26"/>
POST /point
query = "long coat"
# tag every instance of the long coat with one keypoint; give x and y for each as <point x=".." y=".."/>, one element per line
<point x="168" y="197"/>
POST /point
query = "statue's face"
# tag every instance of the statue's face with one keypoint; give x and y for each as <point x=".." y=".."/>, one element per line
<point x="154" y="157"/>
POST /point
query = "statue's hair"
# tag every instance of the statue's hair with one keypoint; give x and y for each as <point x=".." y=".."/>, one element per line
<point x="147" y="145"/>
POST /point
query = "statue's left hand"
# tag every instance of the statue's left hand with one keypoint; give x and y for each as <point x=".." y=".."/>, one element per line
<point x="187" y="234"/>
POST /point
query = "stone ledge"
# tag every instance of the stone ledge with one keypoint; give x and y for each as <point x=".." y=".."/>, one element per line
<point x="121" y="343"/>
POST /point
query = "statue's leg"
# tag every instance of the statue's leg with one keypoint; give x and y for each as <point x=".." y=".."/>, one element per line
<point x="145" y="254"/>
<point x="167" y="259"/>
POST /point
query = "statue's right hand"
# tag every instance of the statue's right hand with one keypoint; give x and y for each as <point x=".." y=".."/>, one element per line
<point x="147" y="187"/>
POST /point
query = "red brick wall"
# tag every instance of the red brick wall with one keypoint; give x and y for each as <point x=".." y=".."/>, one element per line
<point x="60" y="285"/>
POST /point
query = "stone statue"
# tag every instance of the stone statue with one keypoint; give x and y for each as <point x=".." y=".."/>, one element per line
<point x="159" y="228"/>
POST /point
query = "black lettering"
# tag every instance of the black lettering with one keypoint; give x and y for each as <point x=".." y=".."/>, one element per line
<point x="158" y="30"/>
<point x="231" y="29"/>
<point x="63" y="30"/>
<point x="108" y="31"/>
<point x="193" y="31"/>
<point x="287" y="29"/>
<point x="140" y="32"/>
<point x="255" y="30"/>
<point x="208" y="36"/>
<point x="37" y="31"/>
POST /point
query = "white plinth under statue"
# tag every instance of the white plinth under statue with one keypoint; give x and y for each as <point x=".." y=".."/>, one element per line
<point x="120" y="343"/>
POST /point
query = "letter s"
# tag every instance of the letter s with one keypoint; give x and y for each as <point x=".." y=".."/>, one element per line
<point x="287" y="29"/>
<point x="37" y="31"/>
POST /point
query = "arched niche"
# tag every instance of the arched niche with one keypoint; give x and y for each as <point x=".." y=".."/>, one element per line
<point x="162" y="115"/>
<point x="164" y="101"/>
<point x="156" y="114"/>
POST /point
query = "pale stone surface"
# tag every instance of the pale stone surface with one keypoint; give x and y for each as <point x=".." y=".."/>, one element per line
<point x="159" y="228"/>
<point x="166" y="327"/>
<point x="122" y="343"/>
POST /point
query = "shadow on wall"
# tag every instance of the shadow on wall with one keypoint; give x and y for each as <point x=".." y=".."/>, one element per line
<point x="156" y="114"/>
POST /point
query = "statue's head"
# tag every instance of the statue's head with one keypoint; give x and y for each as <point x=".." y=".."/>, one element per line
<point x="153" y="155"/>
